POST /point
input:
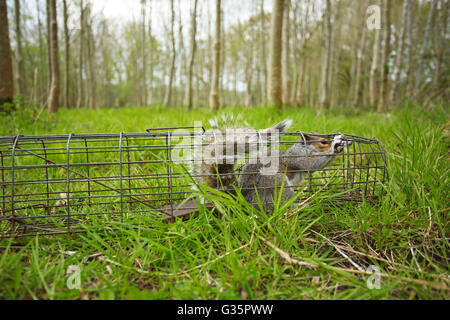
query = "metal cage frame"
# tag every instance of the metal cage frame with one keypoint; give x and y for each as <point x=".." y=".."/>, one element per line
<point x="53" y="184"/>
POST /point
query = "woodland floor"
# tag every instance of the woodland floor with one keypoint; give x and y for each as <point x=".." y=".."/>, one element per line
<point x="314" y="254"/>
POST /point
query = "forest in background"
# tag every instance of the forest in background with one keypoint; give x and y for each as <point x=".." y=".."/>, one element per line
<point x="304" y="53"/>
<point x="319" y="58"/>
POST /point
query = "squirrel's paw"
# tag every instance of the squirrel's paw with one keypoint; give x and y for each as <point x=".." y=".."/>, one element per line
<point x="339" y="143"/>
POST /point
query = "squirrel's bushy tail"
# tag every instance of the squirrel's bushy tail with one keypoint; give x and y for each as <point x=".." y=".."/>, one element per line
<point x="222" y="175"/>
<point x="283" y="125"/>
<point x="228" y="121"/>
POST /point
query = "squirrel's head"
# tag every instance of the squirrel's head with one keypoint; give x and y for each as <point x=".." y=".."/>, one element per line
<point x="325" y="145"/>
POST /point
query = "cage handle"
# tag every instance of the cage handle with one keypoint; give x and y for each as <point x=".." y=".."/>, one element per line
<point x="173" y="128"/>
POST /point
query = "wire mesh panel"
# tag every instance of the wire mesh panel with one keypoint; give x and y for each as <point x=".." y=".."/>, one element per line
<point x="355" y="174"/>
<point x="55" y="184"/>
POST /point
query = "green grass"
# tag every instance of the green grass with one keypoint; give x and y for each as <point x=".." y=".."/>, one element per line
<point x="406" y="236"/>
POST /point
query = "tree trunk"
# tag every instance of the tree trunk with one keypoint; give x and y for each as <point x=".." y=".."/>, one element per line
<point x="49" y="55"/>
<point x="215" y="94"/>
<point x="150" y="80"/>
<point x="144" y="56"/>
<point x="366" y="78"/>
<point x="6" y="68"/>
<point x="198" y="70"/>
<point x="188" y="98"/>
<point x="359" y="59"/>
<point x="249" y="75"/>
<point x="441" y="49"/>
<point x="384" y="98"/>
<point x="67" y="49"/>
<point x="222" y="55"/>
<point x="326" y="59"/>
<point x="41" y="52"/>
<point x="21" y="77"/>
<point x="210" y="49"/>
<point x="92" y="79"/>
<point x="400" y="53"/>
<point x="286" y="63"/>
<point x="87" y="59"/>
<point x="374" y="70"/>
<point x="302" y="71"/>
<point x="425" y="47"/>
<point x="262" y="56"/>
<point x="263" y="60"/>
<point x="409" y="36"/>
<point x="81" y="57"/>
<point x="276" y="45"/>
<point x="235" y="81"/>
<point x="295" y="31"/>
<point x="334" y="56"/>
<point x="301" y="76"/>
<point x="168" y="97"/>
<point x="249" y="84"/>
<point x="182" y="57"/>
<point x="53" y="99"/>
<point x="357" y="86"/>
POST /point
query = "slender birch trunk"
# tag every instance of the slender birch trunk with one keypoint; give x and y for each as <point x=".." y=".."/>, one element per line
<point x="425" y="46"/>
<point x="276" y="44"/>
<point x="144" y="55"/>
<point x="215" y="94"/>
<point x="53" y="99"/>
<point x="20" y="74"/>
<point x="67" y="56"/>
<point x="302" y="72"/>
<point x="81" y="57"/>
<point x="150" y="80"/>
<point x="359" y="59"/>
<point x="408" y="63"/>
<point x="41" y="53"/>
<point x="168" y="97"/>
<point x="286" y="65"/>
<point x="91" y="88"/>
<point x="49" y="55"/>
<point x="6" y="64"/>
<point x="441" y="49"/>
<point x="326" y="56"/>
<point x="374" y="70"/>
<point x="263" y="58"/>
<point x="188" y="98"/>
<point x="384" y="93"/>
<point x="400" y="53"/>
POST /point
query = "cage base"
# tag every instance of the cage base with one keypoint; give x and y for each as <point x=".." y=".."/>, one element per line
<point x="185" y="211"/>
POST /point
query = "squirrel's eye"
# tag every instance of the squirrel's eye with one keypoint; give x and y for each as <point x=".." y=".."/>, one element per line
<point x="324" y="142"/>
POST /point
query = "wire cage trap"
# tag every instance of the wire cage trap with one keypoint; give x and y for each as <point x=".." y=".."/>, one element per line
<point x="53" y="184"/>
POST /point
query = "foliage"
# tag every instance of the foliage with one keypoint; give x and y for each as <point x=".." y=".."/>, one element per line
<point x="118" y="54"/>
<point x="24" y="114"/>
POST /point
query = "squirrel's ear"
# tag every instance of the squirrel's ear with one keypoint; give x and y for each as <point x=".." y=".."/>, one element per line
<point x="306" y="138"/>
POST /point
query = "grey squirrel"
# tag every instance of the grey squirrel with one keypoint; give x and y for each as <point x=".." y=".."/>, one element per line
<point x="308" y="154"/>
